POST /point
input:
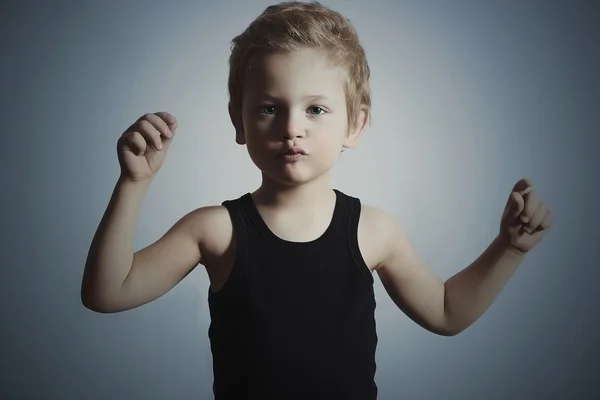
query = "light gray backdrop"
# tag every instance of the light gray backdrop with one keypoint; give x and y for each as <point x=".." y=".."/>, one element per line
<point x="467" y="98"/>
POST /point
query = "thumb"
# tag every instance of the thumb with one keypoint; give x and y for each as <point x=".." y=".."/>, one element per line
<point x="172" y="123"/>
<point x="518" y="204"/>
<point x="169" y="119"/>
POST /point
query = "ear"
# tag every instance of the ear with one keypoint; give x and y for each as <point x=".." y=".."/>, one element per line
<point x="236" y="120"/>
<point x="357" y="128"/>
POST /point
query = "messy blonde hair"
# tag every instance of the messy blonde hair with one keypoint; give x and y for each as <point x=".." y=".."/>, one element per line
<point x="291" y="26"/>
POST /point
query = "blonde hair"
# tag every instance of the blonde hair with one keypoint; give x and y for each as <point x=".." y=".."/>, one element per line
<point x="291" y="26"/>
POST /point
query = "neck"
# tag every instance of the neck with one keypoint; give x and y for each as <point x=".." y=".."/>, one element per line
<point x="309" y="194"/>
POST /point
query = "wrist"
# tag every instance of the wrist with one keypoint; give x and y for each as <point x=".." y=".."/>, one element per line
<point x="132" y="189"/>
<point x="133" y="184"/>
<point x="505" y="247"/>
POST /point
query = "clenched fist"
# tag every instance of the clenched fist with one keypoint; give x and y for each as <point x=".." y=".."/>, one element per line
<point x="143" y="146"/>
<point x="526" y="218"/>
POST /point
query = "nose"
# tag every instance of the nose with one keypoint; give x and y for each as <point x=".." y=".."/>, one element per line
<point x="292" y="125"/>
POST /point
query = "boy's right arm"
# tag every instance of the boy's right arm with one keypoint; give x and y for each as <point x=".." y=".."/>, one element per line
<point x="115" y="279"/>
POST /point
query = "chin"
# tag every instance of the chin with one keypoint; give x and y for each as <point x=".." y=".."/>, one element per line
<point x="292" y="176"/>
<point x="288" y="179"/>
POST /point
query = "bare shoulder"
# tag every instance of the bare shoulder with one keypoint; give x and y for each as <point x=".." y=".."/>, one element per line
<point x="198" y="236"/>
<point x="216" y="240"/>
<point x="379" y="233"/>
<point x="212" y="229"/>
<point x="374" y="228"/>
<point x="372" y="215"/>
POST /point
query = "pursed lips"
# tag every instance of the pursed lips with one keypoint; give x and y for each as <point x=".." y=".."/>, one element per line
<point x="293" y="151"/>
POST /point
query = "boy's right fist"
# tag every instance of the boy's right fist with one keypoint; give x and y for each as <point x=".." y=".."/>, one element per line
<point x="142" y="147"/>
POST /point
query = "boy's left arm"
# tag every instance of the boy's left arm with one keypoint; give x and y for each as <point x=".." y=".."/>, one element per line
<point x="449" y="308"/>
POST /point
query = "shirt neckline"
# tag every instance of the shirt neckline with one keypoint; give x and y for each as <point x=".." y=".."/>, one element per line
<point x="271" y="237"/>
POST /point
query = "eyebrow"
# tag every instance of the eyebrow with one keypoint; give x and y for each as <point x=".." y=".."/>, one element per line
<point x="315" y="97"/>
<point x="308" y="97"/>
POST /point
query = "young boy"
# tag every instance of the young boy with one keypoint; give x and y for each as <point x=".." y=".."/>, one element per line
<point x="291" y="264"/>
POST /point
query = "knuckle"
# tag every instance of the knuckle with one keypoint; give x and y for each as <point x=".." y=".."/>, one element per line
<point x="144" y="124"/>
<point x="531" y="204"/>
<point x="126" y="137"/>
<point x="138" y="139"/>
<point x="149" y="128"/>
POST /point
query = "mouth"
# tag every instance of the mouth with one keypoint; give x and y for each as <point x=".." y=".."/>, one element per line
<point x="293" y="154"/>
<point x="294" y="151"/>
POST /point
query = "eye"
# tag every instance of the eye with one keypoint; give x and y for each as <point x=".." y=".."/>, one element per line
<point x="316" y="110"/>
<point x="267" y="110"/>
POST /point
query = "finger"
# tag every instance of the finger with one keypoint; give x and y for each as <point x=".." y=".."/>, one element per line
<point x="538" y="217"/>
<point x="150" y="133"/>
<point x="531" y="204"/>
<point x="159" y="124"/>
<point x="518" y="204"/>
<point x="522" y="186"/>
<point x="164" y="122"/>
<point x="547" y="221"/>
<point x="169" y="119"/>
<point x="135" y="142"/>
<point x="524" y="192"/>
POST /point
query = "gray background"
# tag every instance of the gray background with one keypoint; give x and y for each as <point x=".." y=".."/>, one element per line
<point x="467" y="98"/>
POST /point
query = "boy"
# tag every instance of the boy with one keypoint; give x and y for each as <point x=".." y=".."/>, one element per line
<point x="290" y="265"/>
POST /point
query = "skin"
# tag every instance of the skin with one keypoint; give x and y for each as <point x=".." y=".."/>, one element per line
<point x="295" y="199"/>
<point x="292" y="99"/>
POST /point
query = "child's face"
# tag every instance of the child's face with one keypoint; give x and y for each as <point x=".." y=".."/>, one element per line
<point x="294" y="99"/>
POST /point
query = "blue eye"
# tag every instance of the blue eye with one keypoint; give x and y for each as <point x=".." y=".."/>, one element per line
<point x="270" y="110"/>
<point x="267" y="110"/>
<point x="317" y="108"/>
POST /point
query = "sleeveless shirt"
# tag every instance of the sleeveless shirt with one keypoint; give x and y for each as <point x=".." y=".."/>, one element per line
<point x="294" y="320"/>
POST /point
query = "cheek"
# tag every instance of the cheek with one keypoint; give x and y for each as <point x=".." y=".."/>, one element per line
<point x="257" y="126"/>
<point x="254" y="145"/>
<point x="332" y="136"/>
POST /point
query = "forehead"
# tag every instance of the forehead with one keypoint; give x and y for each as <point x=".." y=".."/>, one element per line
<point x="301" y="73"/>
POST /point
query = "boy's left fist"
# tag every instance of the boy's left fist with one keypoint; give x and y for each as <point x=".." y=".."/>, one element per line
<point x="526" y="218"/>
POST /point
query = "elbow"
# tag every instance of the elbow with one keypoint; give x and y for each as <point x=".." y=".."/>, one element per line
<point x="449" y="329"/>
<point x="88" y="297"/>
<point x="98" y="300"/>
<point x="92" y="305"/>
<point x="444" y="331"/>
<point x="440" y="329"/>
<point x="95" y="304"/>
<point x="448" y="332"/>
<point x="99" y="307"/>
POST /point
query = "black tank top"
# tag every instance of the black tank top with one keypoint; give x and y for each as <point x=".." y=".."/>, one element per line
<point x="294" y="320"/>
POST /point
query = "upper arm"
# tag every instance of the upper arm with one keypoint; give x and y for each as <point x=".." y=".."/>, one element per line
<point x="157" y="268"/>
<point x="413" y="287"/>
